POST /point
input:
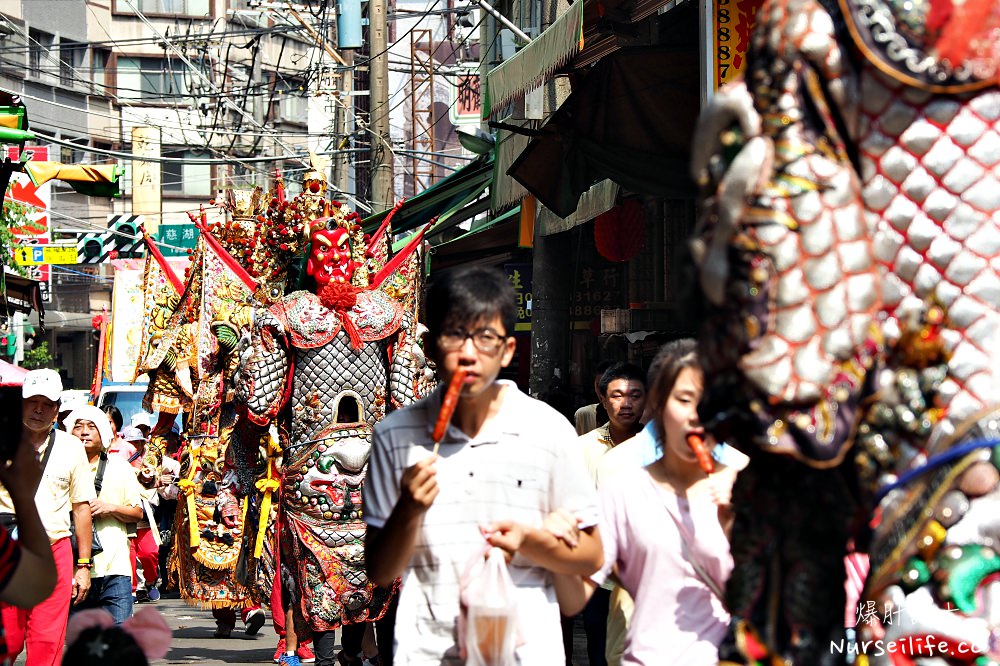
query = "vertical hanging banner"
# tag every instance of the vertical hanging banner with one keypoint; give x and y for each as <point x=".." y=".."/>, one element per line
<point x="146" y="176"/>
<point x="733" y="22"/>
<point x="127" y="313"/>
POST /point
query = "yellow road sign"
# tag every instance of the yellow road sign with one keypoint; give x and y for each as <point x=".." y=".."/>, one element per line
<point x="35" y="255"/>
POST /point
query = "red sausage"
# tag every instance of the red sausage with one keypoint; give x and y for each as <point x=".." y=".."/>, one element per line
<point x="696" y="441"/>
<point x="449" y="403"/>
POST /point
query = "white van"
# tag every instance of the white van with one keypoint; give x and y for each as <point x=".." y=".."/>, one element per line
<point x="126" y="397"/>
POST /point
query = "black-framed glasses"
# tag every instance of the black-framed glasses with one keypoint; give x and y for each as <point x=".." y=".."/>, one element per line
<point x="486" y="340"/>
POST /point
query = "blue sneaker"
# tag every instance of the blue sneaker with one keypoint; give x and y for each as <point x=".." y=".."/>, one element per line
<point x="289" y="660"/>
<point x="153" y="594"/>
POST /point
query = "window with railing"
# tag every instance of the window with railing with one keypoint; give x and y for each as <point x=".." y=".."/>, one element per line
<point x="197" y="8"/>
<point x="99" y="59"/>
<point x="185" y="178"/>
<point x="39" y="47"/>
<point x="292" y="101"/>
<point x="151" y="79"/>
<point x="70" y="59"/>
<point x="74" y="155"/>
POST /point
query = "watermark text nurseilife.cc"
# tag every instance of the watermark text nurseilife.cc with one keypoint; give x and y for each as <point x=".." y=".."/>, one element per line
<point x="928" y="645"/>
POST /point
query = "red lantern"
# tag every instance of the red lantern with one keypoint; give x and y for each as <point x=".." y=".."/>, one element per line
<point x="620" y="233"/>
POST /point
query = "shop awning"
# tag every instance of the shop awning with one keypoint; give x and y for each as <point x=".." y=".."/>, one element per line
<point x="610" y="25"/>
<point x="11" y="375"/>
<point x="21" y="294"/>
<point x="616" y="125"/>
<point x="443" y="199"/>
<point x="505" y="191"/>
<point x="535" y="63"/>
<point x="600" y="198"/>
<point x="487" y="223"/>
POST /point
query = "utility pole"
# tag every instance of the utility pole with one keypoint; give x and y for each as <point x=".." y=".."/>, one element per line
<point x="381" y="152"/>
<point x="344" y="128"/>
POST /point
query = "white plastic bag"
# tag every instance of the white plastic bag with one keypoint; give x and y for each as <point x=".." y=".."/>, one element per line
<point x="490" y="632"/>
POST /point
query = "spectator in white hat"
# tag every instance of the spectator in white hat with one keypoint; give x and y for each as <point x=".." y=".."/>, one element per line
<point x="66" y="486"/>
<point x="143" y="421"/>
<point x="119" y="502"/>
<point x="135" y="439"/>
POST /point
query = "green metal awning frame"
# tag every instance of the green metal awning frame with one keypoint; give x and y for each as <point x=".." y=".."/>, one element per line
<point x="535" y="63"/>
<point x="443" y="200"/>
<point x="488" y="223"/>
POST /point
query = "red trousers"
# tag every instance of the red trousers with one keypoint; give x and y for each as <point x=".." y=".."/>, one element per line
<point x="43" y="627"/>
<point x="144" y="550"/>
<point x="277" y="607"/>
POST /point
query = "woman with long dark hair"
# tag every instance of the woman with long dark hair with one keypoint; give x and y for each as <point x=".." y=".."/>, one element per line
<point x="665" y="532"/>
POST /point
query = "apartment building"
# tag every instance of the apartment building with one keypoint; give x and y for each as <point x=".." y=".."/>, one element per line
<point x="222" y="83"/>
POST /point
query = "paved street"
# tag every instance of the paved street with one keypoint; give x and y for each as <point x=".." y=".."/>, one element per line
<point x="194" y="643"/>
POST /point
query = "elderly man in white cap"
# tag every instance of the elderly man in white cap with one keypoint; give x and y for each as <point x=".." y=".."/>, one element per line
<point x="66" y="486"/>
<point x="119" y="502"/>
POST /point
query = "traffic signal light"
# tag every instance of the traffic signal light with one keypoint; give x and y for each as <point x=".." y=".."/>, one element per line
<point x="14" y="124"/>
<point x="14" y="117"/>
<point x="90" y="247"/>
<point x="127" y="239"/>
<point x="95" y="180"/>
<point x="8" y="343"/>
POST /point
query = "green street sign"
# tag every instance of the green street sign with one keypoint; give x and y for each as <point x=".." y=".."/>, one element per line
<point x="176" y="239"/>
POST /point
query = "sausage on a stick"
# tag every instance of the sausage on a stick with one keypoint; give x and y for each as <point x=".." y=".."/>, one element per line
<point x="696" y="441"/>
<point x="448" y="405"/>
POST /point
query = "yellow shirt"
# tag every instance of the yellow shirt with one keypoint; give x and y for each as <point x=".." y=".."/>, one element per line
<point x="66" y="481"/>
<point x="120" y="487"/>
<point x="594" y="445"/>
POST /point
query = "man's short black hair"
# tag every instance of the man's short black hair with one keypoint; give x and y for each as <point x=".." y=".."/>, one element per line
<point x="621" y="370"/>
<point x="468" y="298"/>
<point x="601" y="368"/>
<point x="115" y="415"/>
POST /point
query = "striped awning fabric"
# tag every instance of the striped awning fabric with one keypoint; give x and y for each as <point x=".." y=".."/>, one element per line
<point x="535" y="63"/>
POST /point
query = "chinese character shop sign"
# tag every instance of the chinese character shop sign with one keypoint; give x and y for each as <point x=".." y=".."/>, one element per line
<point x="733" y="22"/>
<point x="520" y="278"/>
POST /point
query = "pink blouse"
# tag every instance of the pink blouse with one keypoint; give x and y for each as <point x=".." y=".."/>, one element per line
<point x="677" y="618"/>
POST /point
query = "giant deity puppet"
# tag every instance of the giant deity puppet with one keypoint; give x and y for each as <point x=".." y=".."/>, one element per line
<point x="849" y="251"/>
<point x="193" y="329"/>
<point x="320" y="369"/>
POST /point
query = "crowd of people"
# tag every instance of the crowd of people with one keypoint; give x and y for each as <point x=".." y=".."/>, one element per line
<point x="68" y="503"/>
<point x="618" y="520"/>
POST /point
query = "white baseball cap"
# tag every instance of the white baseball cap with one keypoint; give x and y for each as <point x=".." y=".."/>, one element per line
<point x="141" y="419"/>
<point x="42" y="382"/>
<point x="132" y="434"/>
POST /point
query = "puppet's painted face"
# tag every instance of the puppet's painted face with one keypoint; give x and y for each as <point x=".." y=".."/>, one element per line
<point x="330" y="259"/>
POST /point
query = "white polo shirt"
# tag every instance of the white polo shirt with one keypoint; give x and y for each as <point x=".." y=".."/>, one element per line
<point x="524" y="465"/>
<point x="67" y="480"/>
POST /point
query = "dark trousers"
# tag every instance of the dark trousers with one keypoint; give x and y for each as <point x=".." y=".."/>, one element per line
<point x="326" y="647"/>
<point x="595" y="625"/>
<point x="351" y="637"/>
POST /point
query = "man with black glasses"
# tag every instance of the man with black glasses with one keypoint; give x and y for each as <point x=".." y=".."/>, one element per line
<point x="506" y="461"/>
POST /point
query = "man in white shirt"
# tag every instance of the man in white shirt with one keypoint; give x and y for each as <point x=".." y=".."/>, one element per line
<point x="506" y="462"/>
<point x="66" y="487"/>
<point x="118" y="503"/>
